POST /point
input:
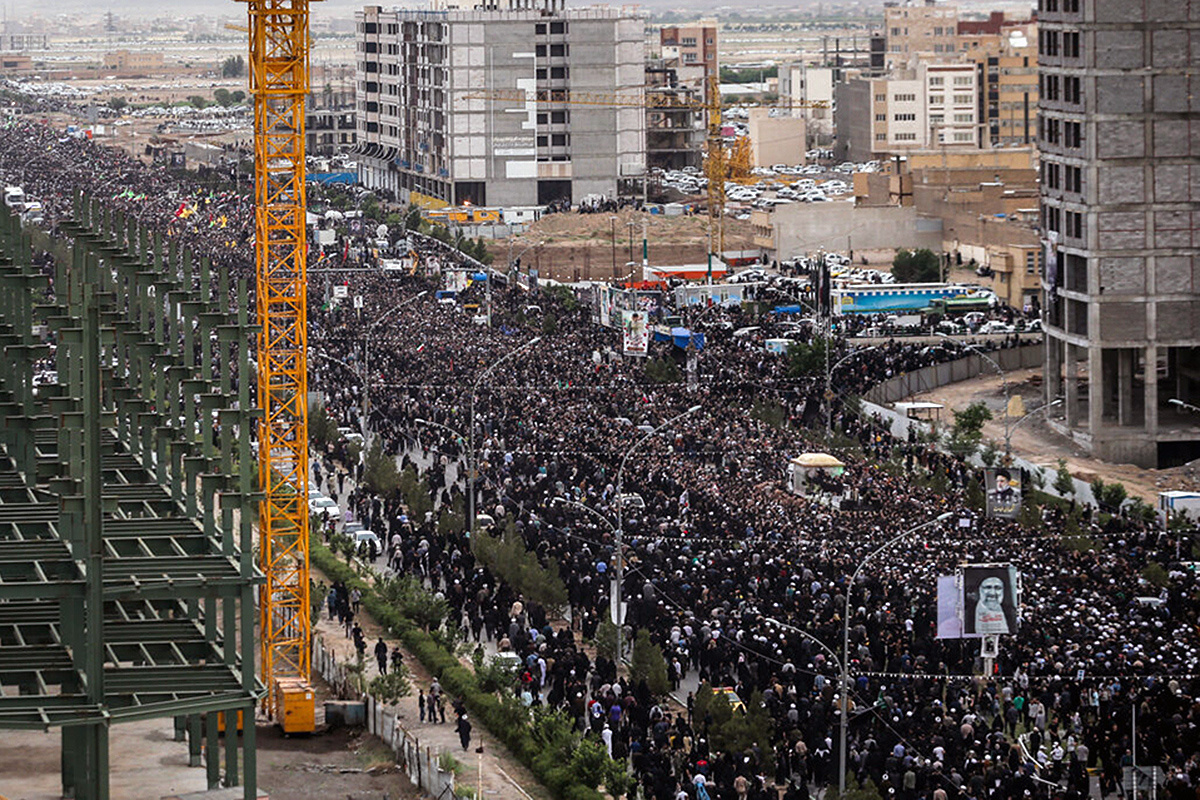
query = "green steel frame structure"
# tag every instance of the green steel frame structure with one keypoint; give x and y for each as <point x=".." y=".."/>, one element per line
<point x="127" y="497"/>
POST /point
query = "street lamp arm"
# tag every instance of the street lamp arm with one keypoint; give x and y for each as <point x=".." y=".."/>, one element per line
<point x="564" y="501"/>
<point x="504" y="358"/>
<point x="836" y="660"/>
<point x="1036" y="411"/>
<point x="898" y="537"/>
<point x="851" y="355"/>
<point x="648" y="437"/>
<point x="396" y="308"/>
<point x="432" y="424"/>
<point x="980" y="352"/>
<point x="353" y="371"/>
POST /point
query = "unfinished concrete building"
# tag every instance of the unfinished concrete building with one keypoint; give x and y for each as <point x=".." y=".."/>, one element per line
<point x="1119" y="134"/>
<point x="428" y="132"/>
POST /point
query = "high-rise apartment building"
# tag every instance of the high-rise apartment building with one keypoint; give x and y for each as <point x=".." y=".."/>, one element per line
<point x="932" y="106"/>
<point x="915" y="29"/>
<point x="431" y="129"/>
<point x="1119" y="134"/>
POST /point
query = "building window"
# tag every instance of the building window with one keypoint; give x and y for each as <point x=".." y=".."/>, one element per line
<point x="937" y="99"/>
<point x="543" y="141"/>
<point x="1074" y="220"/>
<point x="558" y="27"/>
<point x="964" y="118"/>
<point x="881" y="137"/>
<point x="540" y="51"/>
<point x="936" y="80"/>
<point x="963" y="80"/>
<point x="559" y="51"/>
<point x="558" y="139"/>
<point x="963" y="137"/>
<point x="558" y="72"/>
<point x="964" y="99"/>
<point x="904" y="117"/>
<point x="1073" y="134"/>
<point x="1074" y="179"/>
<point x="1031" y="262"/>
<point x="689" y="41"/>
<point x="1070" y="42"/>
<point x="936" y="119"/>
<point x="540" y="29"/>
<point x="881" y="98"/>
<point x="904" y="98"/>
<point x="558" y="117"/>
<point x="906" y="137"/>
<point x="1073" y="89"/>
<point x="881" y="117"/>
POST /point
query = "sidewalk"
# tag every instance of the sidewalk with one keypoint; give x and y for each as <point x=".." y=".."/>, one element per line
<point x="503" y="775"/>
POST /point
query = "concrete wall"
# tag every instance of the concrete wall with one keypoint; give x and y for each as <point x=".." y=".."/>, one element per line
<point x="806" y="227"/>
<point x="776" y="140"/>
<point x="929" y="378"/>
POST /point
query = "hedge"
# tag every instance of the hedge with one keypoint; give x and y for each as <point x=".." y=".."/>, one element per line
<point x="507" y="721"/>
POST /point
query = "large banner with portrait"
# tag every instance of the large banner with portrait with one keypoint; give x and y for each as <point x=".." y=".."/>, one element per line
<point x="635" y="333"/>
<point x="990" y="600"/>
<point x="1003" y="492"/>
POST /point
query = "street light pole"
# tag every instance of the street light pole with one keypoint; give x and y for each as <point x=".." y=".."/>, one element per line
<point x="366" y="367"/>
<point x="1003" y="386"/>
<point x="845" y="682"/>
<point x="621" y="521"/>
<point x="471" y="429"/>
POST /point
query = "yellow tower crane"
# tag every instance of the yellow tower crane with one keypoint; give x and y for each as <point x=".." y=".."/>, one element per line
<point x="278" y="64"/>
<point x="718" y="164"/>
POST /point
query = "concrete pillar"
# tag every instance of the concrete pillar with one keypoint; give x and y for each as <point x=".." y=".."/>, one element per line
<point x="1151" y="390"/>
<point x="1124" y="358"/>
<point x="1072" y="384"/>
<point x="1053" y="369"/>
<point x="1096" y="391"/>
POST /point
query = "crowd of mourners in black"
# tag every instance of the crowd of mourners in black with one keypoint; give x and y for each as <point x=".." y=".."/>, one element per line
<point x="734" y="578"/>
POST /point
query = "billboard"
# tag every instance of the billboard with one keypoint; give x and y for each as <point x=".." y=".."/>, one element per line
<point x="1003" y="492"/>
<point x="635" y="333"/>
<point x="989" y="600"/>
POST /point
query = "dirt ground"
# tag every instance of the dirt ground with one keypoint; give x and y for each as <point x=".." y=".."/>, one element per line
<point x="1038" y="443"/>
<point x="581" y="246"/>
<point x="342" y="763"/>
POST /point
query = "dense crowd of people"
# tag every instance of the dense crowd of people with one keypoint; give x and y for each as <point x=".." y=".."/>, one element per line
<point x="738" y="580"/>
<point x="735" y="579"/>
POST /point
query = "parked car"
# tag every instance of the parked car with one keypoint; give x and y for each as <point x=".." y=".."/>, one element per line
<point x="324" y="507"/>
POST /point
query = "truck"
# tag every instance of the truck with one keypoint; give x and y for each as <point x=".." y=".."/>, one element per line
<point x="1172" y="505"/>
<point x="14" y="198"/>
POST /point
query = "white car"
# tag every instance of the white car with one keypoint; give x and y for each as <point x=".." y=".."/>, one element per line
<point x="324" y="507"/>
<point x="996" y="326"/>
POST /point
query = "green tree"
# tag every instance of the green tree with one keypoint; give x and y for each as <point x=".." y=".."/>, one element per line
<point x="391" y="687"/>
<point x="223" y="97"/>
<point x="413" y="600"/>
<point x="379" y="473"/>
<point x="233" y="67"/>
<point x="967" y="430"/>
<point x="975" y="496"/>
<point x="321" y="428"/>
<point x="412" y="218"/>
<point x="661" y="370"/>
<point x="648" y="664"/>
<point x="920" y="266"/>
<point x="989" y="453"/>
<point x="118" y="104"/>
<point x="1156" y="575"/>
<point x="806" y="359"/>
<point x="198" y="102"/>
<point x="1064" y="484"/>
<point x="238" y="97"/>
<point x="606" y="637"/>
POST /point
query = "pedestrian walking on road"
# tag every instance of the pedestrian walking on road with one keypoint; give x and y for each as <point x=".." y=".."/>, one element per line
<point x="381" y="655"/>
<point x="464" y="731"/>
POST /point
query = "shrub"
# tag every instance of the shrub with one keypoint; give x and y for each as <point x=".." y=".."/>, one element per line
<point x="649" y="665"/>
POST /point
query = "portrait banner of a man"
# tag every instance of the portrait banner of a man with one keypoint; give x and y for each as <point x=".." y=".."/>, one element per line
<point x="989" y="600"/>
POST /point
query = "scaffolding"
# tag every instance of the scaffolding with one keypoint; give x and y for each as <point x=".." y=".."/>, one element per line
<point x="126" y="577"/>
